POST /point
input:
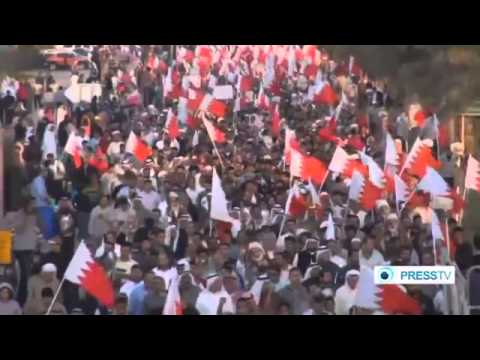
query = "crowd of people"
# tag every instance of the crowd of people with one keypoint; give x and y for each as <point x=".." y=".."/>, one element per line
<point x="132" y="174"/>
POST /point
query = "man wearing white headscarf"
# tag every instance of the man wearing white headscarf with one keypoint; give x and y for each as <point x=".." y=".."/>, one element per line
<point x="215" y="300"/>
<point x="345" y="295"/>
<point x="49" y="144"/>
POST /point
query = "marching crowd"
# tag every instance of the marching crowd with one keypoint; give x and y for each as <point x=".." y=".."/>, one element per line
<point x="234" y="180"/>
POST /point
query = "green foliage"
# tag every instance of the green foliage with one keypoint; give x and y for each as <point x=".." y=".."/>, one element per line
<point x="444" y="77"/>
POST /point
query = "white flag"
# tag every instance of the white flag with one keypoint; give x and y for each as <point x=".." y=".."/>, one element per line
<point x="356" y="186"/>
<point x="330" y="233"/>
<point x="218" y="207"/>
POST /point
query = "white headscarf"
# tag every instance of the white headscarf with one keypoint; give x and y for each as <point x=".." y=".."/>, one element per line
<point x="49" y="144"/>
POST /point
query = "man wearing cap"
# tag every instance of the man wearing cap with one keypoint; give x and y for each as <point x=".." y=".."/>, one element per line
<point x="46" y="279"/>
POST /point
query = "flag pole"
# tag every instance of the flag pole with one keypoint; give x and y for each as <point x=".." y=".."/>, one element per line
<point x="284" y="220"/>
<point x="218" y="153"/>
<point x="210" y="232"/>
<point x="323" y="181"/>
<point x="406" y="202"/>
<point x="215" y="147"/>
<point x="463" y="210"/>
<point x="55" y="296"/>
<point x="345" y="217"/>
<point x="447" y="235"/>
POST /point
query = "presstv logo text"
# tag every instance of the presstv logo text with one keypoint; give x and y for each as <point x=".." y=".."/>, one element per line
<point x="419" y="275"/>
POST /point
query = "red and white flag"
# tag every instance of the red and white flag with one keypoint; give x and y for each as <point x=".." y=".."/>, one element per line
<point x="375" y="174"/>
<point x="297" y="204"/>
<point x="419" y="158"/>
<point x="391" y="156"/>
<point x="364" y="191"/>
<point x="395" y="300"/>
<point x="296" y="163"/>
<point x="307" y="168"/>
<point x="215" y="134"/>
<point x="173" y="302"/>
<point x="345" y="164"/>
<point x="213" y="106"/>
<point x="339" y="161"/>
<point x="84" y="271"/>
<point x="73" y="147"/>
<point x="172" y="125"/>
<point x="472" y="179"/>
<point x="137" y="147"/>
<point x="329" y="132"/>
<point x="433" y="183"/>
<point x="325" y="95"/>
<point x="390" y="299"/>
<point x="436" y="186"/>
<point x="263" y="103"/>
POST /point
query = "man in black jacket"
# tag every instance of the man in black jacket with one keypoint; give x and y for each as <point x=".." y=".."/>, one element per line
<point x="6" y="107"/>
<point x="66" y="217"/>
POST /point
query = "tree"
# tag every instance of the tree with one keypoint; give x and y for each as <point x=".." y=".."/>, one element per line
<point x="444" y="77"/>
